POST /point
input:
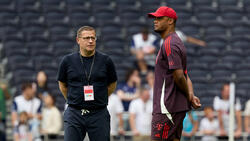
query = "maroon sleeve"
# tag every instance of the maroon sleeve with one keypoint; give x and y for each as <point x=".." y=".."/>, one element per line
<point x="173" y="53"/>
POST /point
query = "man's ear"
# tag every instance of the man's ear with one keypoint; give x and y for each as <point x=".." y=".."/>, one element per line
<point x="77" y="40"/>
<point x="170" y="21"/>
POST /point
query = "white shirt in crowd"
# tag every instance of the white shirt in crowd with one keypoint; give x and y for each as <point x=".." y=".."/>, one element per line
<point x="139" y="44"/>
<point x="23" y="132"/>
<point x="143" y="115"/>
<point x="114" y="107"/>
<point x="206" y="124"/>
<point x="52" y="120"/>
<point x="247" y="108"/>
<point x="20" y="104"/>
<point x="220" y="104"/>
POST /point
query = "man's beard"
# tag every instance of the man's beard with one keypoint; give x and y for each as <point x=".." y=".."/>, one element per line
<point x="158" y="31"/>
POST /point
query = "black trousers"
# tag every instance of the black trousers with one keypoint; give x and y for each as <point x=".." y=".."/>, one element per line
<point x="95" y="123"/>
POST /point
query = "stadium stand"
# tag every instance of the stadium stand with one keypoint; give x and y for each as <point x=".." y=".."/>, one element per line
<point x="36" y="34"/>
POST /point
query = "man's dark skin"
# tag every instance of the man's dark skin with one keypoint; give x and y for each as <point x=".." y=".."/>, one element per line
<point x="164" y="26"/>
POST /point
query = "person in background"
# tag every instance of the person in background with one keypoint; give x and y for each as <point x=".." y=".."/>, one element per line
<point x="140" y="112"/>
<point x="115" y="109"/>
<point x="247" y="117"/>
<point x="52" y="118"/>
<point x="190" y="125"/>
<point x="209" y="126"/>
<point x="22" y="131"/>
<point x="4" y="95"/>
<point x="128" y="91"/>
<point x="221" y="105"/>
<point x="42" y="88"/>
<point x="27" y="102"/>
<point x="143" y="47"/>
<point x="150" y="83"/>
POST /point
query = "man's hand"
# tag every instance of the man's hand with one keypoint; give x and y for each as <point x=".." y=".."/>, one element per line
<point x="223" y="132"/>
<point x="30" y="116"/>
<point x="121" y="131"/>
<point x="237" y="133"/>
<point x="196" y="102"/>
<point x="136" y="133"/>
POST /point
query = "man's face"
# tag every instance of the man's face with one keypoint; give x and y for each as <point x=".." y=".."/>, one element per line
<point x="145" y="36"/>
<point x="41" y="77"/>
<point x="161" y="24"/>
<point x="225" y="92"/>
<point x="87" y="40"/>
<point x="29" y="92"/>
<point x="145" y="95"/>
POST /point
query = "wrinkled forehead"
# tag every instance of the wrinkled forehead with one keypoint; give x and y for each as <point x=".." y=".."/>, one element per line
<point x="88" y="33"/>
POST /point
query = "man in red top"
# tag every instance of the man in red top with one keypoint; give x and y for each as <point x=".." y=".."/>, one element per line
<point x="173" y="90"/>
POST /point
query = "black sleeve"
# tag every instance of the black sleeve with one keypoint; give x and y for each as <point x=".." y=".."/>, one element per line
<point x="62" y="71"/>
<point x="112" y="77"/>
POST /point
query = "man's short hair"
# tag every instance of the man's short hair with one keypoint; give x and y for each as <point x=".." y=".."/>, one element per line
<point x="144" y="30"/>
<point x="84" y="28"/>
<point x="26" y="85"/>
<point x="23" y="113"/>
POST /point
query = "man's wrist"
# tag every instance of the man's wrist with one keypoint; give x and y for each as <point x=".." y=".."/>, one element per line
<point x="191" y="97"/>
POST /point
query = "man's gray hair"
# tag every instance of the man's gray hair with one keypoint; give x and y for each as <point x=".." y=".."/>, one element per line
<point x="84" y="28"/>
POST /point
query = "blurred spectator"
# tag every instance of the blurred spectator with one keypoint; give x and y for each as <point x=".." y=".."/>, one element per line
<point x="115" y="109"/>
<point x="143" y="47"/>
<point x="27" y="102"/>
<point x="22" y="131"/>
<point x="209" y="126"/>
<point x="42" y="88"/>
<point x="51" y="116"/>
<point x="247" y="117"/>
<point x="190" y="125"/>
<point x="4" y="95"/>
<point x="150" y="83"/>
<point x="129" y="91"/>
<point x="188" y="39"/>
<point x="140" y="112"/>
<point x="221" y="105"/>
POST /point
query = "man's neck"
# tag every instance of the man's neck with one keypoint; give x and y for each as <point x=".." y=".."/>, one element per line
<point x="85" y="53"/>
<point x="49" y="106"/>
<point x="167" y="32"/>
<point x="210" y="119"/>
<point x="26" y="97"/>
<point x="144" y="100"/>
<point x="41" y="84"/>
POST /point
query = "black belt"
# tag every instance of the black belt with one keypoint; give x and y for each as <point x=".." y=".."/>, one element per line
<point x="94" y="109"/>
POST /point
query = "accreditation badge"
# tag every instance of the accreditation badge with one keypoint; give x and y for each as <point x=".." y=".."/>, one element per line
<point x="88" y="92"/>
